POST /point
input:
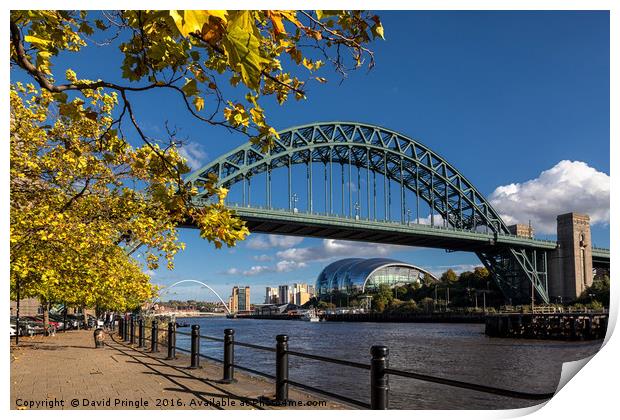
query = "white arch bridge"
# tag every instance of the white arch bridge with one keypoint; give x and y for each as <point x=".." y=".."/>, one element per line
<point x="202" y="284"/>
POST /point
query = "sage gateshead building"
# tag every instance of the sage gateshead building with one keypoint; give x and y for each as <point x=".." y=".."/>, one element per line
<point x="352" y="276"/>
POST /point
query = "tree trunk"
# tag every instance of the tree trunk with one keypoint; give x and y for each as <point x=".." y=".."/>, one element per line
<point x="46" y="318"/>
<point x="85" y="318"/>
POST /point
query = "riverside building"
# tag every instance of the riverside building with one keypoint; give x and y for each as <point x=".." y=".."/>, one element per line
<point x="351" y="276"/>
<point x="239" y="300"/>
<point x="271" y="295"/>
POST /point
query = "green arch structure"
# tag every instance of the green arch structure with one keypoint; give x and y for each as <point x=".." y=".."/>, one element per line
<point x="467" y="222"/>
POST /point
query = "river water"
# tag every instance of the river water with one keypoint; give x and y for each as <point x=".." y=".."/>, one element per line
<point x="454" y="351"/>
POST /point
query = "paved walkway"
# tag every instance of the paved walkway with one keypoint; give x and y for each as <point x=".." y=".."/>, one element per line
<point x="66" y="372"/>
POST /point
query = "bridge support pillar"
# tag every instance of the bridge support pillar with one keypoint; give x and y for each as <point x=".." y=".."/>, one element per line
<point x="570" y="265"/>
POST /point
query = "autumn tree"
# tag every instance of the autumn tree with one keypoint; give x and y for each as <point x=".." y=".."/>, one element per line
<point x="382" y="297"/>
<point x="76" y="205"/>
<point x="82" y="196"/>
<point x="449" y="276"/>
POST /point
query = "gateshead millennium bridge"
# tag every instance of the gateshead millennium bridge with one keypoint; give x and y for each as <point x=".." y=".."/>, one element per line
<point x="359" y="182"/>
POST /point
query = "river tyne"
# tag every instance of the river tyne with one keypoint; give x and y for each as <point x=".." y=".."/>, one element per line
<point x="454" y="351"/>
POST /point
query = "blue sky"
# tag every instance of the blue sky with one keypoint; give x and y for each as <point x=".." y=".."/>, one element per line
<point x="517" y="101"/>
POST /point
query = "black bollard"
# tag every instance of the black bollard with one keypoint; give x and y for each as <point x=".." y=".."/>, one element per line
<point x="379" y="386"/>
<point x="140" y="333"/>
<point x="195" y="356"/>
<point x="154" y="337"/>
<point x="281" y="369"/>
<point x="588" y="327"/>
<point x="171" y="341"/>
<point x="132" y="330"/>
<point x="229" y="356"/>
<point x="120" y="327"/>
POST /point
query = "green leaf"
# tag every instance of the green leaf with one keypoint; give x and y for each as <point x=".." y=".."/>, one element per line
<point x="320" y="14"/>
<point x="86" y="28"/>
<point x="242" y="49"/>
<point x="190" y="88"/>
<point x="100" y="25"/>
<point x="244" y="20"/>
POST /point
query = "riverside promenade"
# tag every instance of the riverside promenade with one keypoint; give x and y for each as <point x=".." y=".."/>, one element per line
<point x="65" y="371"/>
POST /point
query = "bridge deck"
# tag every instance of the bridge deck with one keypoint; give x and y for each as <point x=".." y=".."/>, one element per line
<point x="286" y="222"/>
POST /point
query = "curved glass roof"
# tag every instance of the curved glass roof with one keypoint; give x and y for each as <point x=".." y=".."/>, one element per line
<point x="353" y="273"/>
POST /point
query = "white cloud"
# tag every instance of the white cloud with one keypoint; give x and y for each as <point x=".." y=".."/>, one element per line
<point x="263" y="257"/>
<point x="333" y="248"/>
<point x="283" y="266"/>
<point x="292" y="259"/>
<point x="570" y="186"/>
<point x="281" y="241"/>
<point x="437" y="220"/>
<point x="257" y="242"/>
<point x="273" y="241"/>
<point x="194" y="153"/>
<point x="257" y="269"/>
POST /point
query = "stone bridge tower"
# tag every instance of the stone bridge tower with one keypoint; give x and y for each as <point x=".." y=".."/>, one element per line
<point x="570" y="265"/>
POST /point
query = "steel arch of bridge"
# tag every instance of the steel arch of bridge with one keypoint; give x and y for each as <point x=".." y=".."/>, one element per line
<point x="400" y="160"/>
<point x="203" y="284"/>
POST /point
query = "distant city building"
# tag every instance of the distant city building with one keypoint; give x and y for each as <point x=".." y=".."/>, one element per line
<point x="297" y="294"/>
<point x="244" y="299"/>
<point x="233" y="300"/>
<point x="300" y="294"/>
<point x="302" y="297"/>
<point x="359" y="275"/>
<point x="284" y="295"/>
<point x="239" y="300"/>
<point x="271" y="295"/>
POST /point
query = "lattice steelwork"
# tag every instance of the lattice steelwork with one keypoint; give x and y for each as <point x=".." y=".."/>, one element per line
<point x="378" y="176"/>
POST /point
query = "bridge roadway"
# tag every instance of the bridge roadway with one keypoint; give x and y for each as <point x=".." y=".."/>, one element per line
<point x="319" y="225"/>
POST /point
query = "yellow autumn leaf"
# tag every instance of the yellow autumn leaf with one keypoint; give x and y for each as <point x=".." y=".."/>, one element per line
<point x="199" y="103"/>
<point x="276" y="21"/>
<point x="191" y="21"/>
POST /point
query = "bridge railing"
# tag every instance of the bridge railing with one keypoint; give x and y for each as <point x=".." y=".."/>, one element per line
<point x="394" y="222"/>
<point x="601" y="249"/>
<point x="378" y="368"/>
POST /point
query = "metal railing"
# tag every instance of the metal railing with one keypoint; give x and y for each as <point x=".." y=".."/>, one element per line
<point x="378" y="366"/>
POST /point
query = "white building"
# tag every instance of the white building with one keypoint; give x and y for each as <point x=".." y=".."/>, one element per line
<point x="271" y="295"/>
